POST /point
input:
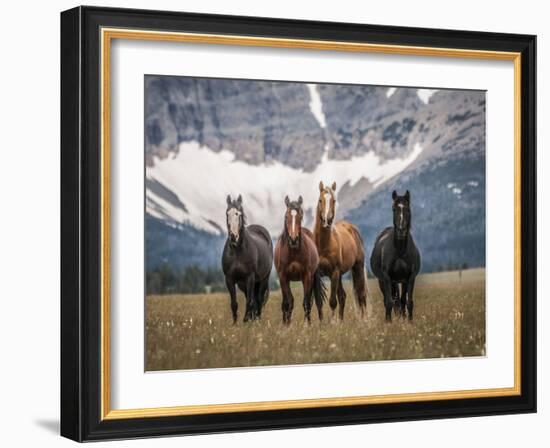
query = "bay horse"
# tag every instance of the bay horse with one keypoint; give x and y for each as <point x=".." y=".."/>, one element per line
<point x="296" y="259"/>
<point x="341" y="249"/>
<point x="395" y="259"/>
<point x="246" y="261"/>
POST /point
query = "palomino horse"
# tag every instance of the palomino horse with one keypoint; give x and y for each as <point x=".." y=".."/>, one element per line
<point x="395" y="259"/>
<point x="340" y="248"/>
<point x="296" y="259"/>
<point x="246" y="261"/>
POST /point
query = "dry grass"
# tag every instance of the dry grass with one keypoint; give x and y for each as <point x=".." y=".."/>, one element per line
<point x="195" y="331"/>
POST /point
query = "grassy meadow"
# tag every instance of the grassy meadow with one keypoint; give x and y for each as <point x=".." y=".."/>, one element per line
<point x="196" y="331"/>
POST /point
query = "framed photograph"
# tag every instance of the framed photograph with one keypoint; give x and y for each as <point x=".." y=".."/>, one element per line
<point x="276" y="224"/>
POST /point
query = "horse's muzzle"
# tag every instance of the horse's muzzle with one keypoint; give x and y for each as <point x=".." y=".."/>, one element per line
<point x="294" y="243"/>
<point x="233" y="239"/>
<point x="401" y="233"/>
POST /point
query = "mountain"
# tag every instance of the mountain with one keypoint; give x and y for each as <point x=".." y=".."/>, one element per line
<point x="206" y="138"/>
<point x="257" y="121"/>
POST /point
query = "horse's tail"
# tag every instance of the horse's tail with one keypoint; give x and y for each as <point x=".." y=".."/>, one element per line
<point x="319" y="292"/>
<point x="359" y="277"/>
<point x="319" y="288"/>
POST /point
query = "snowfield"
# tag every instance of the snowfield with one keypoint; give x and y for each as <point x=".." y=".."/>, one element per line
<point x="202" y="179"/>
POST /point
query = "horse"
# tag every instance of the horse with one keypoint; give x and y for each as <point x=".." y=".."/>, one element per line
<point x="246" y="261"/>
<point x="341" y="249"/>
<point x="395" y="259"/>
<point x="296" y="259"/>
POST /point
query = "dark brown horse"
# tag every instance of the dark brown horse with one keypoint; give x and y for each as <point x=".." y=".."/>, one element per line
<point x="296" y="259"/>
<point x="340" y="248"/>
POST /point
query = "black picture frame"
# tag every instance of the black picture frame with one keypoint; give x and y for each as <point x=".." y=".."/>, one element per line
<point x="81" y="224"/>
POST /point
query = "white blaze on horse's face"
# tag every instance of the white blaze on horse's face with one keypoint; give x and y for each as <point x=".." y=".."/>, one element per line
<point x="326" y="213"/>
<point x="233" y="222"/>
<point x="401" y="215"/>
<point x="293" y="213"/>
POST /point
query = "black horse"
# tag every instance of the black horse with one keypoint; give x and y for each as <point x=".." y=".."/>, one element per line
<point x="246" y="261"/>
<point x="395" y="259"/>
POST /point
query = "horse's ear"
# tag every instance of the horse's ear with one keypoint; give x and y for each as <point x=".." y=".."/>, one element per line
<point x="321" y="186"/>
<point x="228" y="199"/>
<point x="408" y="196"/>
<point x="394" y="195"/>
<point x="333" y="186"/>
<point x="287" y="201"/>
<point x="300" y="200"/>
<point x="240" y="199"/>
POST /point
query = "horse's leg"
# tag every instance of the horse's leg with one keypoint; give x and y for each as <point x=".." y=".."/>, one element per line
<point x="261" y="295"/>
<point x="403" y="302"/>
<point x="410" y="302"/>
<point x="341" y="297"/>
<point x="333" y="302"/>
<point x="307" y="284"/>
<point x="288" y="300"/>
<point x="388" y="298"/>
<point x="395" y="297"/>
<point x="233" y="294"/>
<point x="250" y="312"/>
<point x="257" y="300"/>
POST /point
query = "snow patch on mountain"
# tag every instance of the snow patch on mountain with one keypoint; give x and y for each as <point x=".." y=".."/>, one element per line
<point x="202" y="178"/>
<point x="316" y="105"/>
<point x="425" y="94"/>
<point x="390" y="92"/>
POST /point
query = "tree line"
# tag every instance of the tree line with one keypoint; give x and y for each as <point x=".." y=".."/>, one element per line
<point x="164" y="279"/>
<point x="189" y="280"/>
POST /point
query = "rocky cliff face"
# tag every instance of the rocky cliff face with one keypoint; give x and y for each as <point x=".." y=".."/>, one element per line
<point x="364" y="118"/>
<point x="306" y="128"/>
<point x="257" y="121"/>
<point x="390" y="123"/>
